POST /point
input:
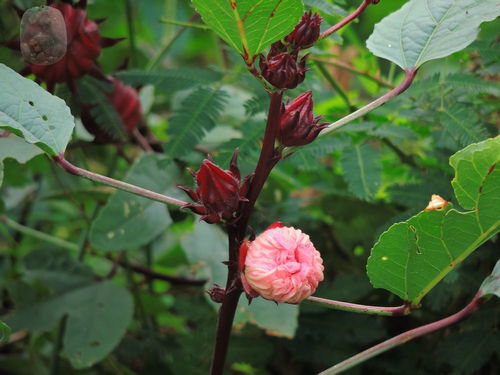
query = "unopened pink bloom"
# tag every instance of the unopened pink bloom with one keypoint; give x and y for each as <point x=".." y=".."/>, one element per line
<point x="282" y="265"/>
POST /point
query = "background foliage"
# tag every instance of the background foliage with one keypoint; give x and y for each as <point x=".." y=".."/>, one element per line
<point x="344" y="190"/>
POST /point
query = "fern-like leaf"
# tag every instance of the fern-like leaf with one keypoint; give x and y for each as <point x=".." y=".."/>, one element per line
<point x="256" y="104"/>
<point x="169" y="79"/>
<point x="196" y="115"/>
<point x="462" y="125"/>
<point x="93" y="94"/>
<point x="362" y="168"/>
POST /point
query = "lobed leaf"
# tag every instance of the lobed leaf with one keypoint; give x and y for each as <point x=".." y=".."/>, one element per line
<point x="250" y="25"/>
<point x="32" y="113"/>
<point x="411" y="257"/>
<point x="424" y="30"/>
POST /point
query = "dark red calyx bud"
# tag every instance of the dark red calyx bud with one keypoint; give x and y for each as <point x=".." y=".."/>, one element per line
<point x="282" y="70"/>
<point x="217" y="293"/>
<point x="125" y="99"/>
<point x="298" y="126"/>
<point x="277" y="48"/>
<point x="307" y="31"/>
<point x="218" y="193"/>
<point x="84" y="46"/>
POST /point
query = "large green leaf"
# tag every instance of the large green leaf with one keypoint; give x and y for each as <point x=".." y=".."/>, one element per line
<point x="128" y="221"/>
<point x="250" y="25"/>
<point x="17" y="149"/>
<point x="362" y="170"/>
<point x="411" y="257"/>
<point x="206" y="248"/>
<point x="424" y="30"/>
<point x="491" y="285"/>
<point x="30" y="112"/>
<point x="97" y="318"/>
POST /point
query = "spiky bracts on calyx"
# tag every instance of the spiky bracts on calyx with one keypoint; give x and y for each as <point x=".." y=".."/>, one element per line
<point x="219" y="192"/>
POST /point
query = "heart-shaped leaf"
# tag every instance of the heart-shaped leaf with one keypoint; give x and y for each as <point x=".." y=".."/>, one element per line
<point x="250" y="25"/>
<point x="424" y="30"/>
<point x="411" y="257"/>
<point x="30" y="112"/>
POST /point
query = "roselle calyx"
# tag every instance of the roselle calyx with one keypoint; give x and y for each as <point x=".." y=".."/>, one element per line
<point x="298" y="126"/>
<point x="218" y="193"/>
<point x="307" y="31"/>
<point x="282" y="70"/>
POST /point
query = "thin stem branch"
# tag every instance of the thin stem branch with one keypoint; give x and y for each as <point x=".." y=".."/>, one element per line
<point x="354" y="70"/>
<point x="185" y="24"/>
<point x="403" y="86"/>
<point x="56" y="357"/>
<point x="157" y="59"/>
<point x="349" y="18"/>
<point x="73" y="169"/>
<point x="333" y="82"/>
<point x="131" y="31"/>
<point x="37" y="234"/>
<point x="176" y="280"/>
<point x="363" y="309"/>
<point x="404" y="338"/>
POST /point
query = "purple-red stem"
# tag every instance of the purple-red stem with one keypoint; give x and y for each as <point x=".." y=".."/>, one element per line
<point x="236" y="233"/>
<point x="405" y="337"/>
<point x="77" y="171"/>
<point x="363" y="309"/>
<point x="348" y="19"/>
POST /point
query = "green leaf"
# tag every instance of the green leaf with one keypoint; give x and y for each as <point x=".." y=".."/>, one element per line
<point x="411" y="257"/>
<point x="97" y="318"/>
<point x="326" y="7"/>
<point x="206" y="248"/>
<point x="491" y="285"/>
<point x="4" y="332"/>
<point x="462" y="124"/>
<point x="197" y="114"/>
<point x="57" y="269"/>
<point x="32" y="113"/>
<point x="169" y="79"/>
<point x="93" y="93"/>
<point x="362" y="170"/>
<point x="250" y="25"/>
<point x="17" y="149"/>
<point x="128" y="221"/>
<point x="424" y="30"/>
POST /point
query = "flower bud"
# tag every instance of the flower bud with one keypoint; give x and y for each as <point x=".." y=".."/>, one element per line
<point x="281" y="264"/>
<point x="298" y="126"/>
<point x="306" y="33"/>
<point x="218" y="191"/>
<point x="282" y="70"/>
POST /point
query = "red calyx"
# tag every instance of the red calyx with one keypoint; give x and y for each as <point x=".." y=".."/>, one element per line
<point x="298" y="126"/>
<point x="84" y="46"/>
<point x="218" y="191"/>
<point x="282" y="70"/>
<point x="307" y="31"/>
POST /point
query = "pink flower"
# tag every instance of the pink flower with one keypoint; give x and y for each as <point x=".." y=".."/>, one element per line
<point x="281" y="264"/>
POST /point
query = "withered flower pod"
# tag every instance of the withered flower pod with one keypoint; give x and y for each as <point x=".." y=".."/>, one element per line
<point x="218" y="193"/>
<point x="298" y="126"/>
<point x="307" y="31"/>
<point x="282" y="70"/>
